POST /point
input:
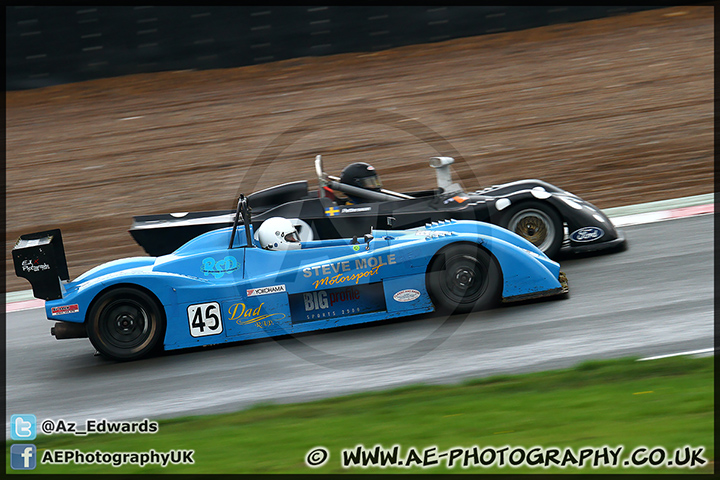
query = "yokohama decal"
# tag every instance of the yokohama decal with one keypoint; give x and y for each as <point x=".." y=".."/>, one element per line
<point x="254" y="292"/>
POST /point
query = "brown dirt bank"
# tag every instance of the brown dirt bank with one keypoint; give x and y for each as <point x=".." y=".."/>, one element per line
<point x="618" y="111"/>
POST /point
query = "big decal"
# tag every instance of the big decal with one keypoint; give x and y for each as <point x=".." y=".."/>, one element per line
<point x="337" y="302"/>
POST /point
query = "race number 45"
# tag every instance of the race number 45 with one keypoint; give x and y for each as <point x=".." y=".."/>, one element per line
<point x="205" y="319"/>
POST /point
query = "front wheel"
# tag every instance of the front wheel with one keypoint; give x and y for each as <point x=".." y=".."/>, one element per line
<point x="125" y="324"/>
<point x="462" y="278"/>
<point x="537" y="223"/>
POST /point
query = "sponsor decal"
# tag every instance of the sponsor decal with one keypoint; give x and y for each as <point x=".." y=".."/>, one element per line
<point x="337" y="302"/>
<point x="332" y="211"/>
<point x="432" y="233"/>
<point x="34" y="266"/>
<point x="335" y="273"/>
<point x="218" y="268"/>
<point x="65" y="309"/>
<point x="407" y="295"/>
<point x="254" y="292"/>
<point x="587" y="234"/>
<point x="355" y="209"/>
<point x="328" y="298"/>
<point x="244" y="315"/>
<point x="457" y="199"/>
<point x="347" y="265"/>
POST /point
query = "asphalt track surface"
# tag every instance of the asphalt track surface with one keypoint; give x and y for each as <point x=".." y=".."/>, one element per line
<point x="656" y="298"/>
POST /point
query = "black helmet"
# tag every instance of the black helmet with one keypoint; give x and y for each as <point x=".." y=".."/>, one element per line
<point x="361" y="175"/>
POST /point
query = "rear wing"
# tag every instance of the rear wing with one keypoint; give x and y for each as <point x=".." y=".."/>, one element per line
<point x="40" y="258"/>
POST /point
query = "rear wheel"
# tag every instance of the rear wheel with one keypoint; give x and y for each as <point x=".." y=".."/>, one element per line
<point x="125" y="324"/>
<point x="462" y="278"/>
<point x="537" y="223"/>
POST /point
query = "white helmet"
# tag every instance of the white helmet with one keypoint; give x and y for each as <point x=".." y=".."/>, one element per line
<point x="278" y="233"/>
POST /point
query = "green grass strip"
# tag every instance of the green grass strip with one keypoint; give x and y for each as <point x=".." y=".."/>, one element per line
<point x="666" y="403"/>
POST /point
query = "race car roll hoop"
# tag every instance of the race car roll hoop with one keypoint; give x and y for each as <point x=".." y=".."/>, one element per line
<point x="243" y="209"/>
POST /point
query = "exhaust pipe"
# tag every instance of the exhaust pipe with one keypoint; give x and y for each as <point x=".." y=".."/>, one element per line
<point x="63" y="330"/>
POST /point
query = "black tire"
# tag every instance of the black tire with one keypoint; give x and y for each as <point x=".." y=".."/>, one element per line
<point x="125" y="323"/>
<point x="462" y="278"/>
<point x="538" y="223"/>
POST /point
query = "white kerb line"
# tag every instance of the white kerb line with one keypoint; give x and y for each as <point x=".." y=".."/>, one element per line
<point x="692" y="352"/>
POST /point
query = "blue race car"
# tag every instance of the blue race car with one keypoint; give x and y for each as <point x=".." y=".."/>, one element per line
<point x="223" y="286"/>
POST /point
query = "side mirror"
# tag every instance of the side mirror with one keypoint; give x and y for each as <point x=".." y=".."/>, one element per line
<point x="320" y="171"/>
<point x="367" y="238"/>
<point x="390" y="222"/>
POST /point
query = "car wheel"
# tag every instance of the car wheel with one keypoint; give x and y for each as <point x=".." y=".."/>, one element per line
<point x="125" y="324"/>
<point x="462" y="278"/>
<point x="538" y="223"/>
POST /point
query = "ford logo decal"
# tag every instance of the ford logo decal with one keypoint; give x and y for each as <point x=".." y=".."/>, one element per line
<point x="586" y="234"/>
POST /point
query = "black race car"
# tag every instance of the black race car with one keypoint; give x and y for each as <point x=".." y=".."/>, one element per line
<point x="549" y="217"/>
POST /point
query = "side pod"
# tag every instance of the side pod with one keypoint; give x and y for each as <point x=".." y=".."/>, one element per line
<point x="40" y="258"/>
